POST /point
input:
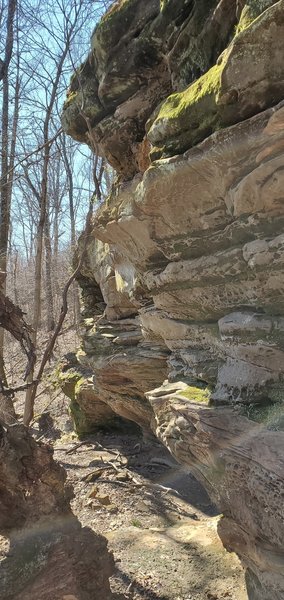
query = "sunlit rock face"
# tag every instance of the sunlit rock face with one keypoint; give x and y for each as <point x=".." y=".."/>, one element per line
<point x="115" y="364"/>
<point x="141" y="51"/>
<point x="189" y="249"/>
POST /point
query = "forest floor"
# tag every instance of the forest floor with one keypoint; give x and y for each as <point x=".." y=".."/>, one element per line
<point x="159" y="521"/>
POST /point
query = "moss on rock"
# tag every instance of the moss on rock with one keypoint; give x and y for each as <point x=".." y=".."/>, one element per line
<point x="250" y="12"/>
<point x="114" y="8"/>
<point x="196" y="394"/>
<point x="177" y="104"/>
<point x="70" y="98"/>
<point x="246" y="79"/>
<point x="67" y="381"/>
<point x="70" y="382"/>
<point x="163" y="4"/>
<point x="82" y="424"/>
<point x="187" y="117"/>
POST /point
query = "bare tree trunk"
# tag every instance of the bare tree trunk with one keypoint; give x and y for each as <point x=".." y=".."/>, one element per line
<point x="29" y="407"/>
<point x="38" y="270"/>
<point x="69" y="173"/>
<point x="50" y="322"/>
<point x="57" y="205"/>
<point x="5" y="189"/>
<point x="15" y="271"/>
<point x="29" y="401"/>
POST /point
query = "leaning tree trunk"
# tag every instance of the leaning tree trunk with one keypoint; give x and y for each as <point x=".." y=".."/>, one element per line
<point x="11" y="319"/>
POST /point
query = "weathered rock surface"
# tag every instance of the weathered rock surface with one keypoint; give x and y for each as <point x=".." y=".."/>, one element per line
<point x="236" y="461"/>
<point x="51" y="555"/>
<point x="140" y="53"/>
<point x="115" y="364"/>
<point x="248" y="77"/>
<point x="189" y="249"/>
<point x="119" y="366"/>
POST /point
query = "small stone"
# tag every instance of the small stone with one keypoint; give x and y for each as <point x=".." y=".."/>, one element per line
<point x="112" y="508"/>
<point x="141" y="506"/>
<point x="96" y="506"/>
<point x="103" y="499"/>
<point x="93" y="491"/>
<point x="121" y="476"/>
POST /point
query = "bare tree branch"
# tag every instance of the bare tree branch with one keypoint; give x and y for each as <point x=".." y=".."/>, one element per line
<point x="29" y="407"/>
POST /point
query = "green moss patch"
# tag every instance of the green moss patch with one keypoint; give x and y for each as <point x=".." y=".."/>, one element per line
<point x="215" y="100"/>
<point x="195" y="394"/>
<point x="187" y="117"/>
<point x="70" y="382"/>
<point x="163" y="4"/>
<point x="82" y="424"/>
<point x="177" y="104"/>
<point x="67" y="381"/>
<point x="250" y="12"/>
<point x="114" y="8"/>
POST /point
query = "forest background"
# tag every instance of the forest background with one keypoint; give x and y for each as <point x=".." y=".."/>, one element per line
<point x="46" y="179"/>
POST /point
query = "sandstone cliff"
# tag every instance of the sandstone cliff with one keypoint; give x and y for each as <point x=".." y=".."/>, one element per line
<point x="183" y="283"/>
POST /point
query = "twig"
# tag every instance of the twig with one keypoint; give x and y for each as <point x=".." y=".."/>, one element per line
<point x="108" y="462"/>
<point x="71" y="450"/>
<point x="155" y="486"/>
<point x="11" y="391"/>
<point x="50" y="141"/>
<point x="115" y="482"/>
<point x="100" y="447"/>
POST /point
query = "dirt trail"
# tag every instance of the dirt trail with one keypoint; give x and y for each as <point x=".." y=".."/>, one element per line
<point x="164" y="540"/>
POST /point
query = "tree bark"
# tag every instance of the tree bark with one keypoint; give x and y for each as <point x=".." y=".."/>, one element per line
<point x="11" y="319"/>
<point x="76" y="295"/>
<point x="50" y="322"/>
<point x="5" y="184"/>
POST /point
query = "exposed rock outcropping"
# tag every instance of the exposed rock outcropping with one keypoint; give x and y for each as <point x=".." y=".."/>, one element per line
<point x="50" y="555"/>
<point x="185" y="100"/>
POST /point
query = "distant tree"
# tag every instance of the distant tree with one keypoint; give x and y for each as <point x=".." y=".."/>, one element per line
<point x="46" y="180"/>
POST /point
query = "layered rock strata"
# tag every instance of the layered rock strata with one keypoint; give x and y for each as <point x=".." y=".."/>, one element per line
<point x="185" y="100"/>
